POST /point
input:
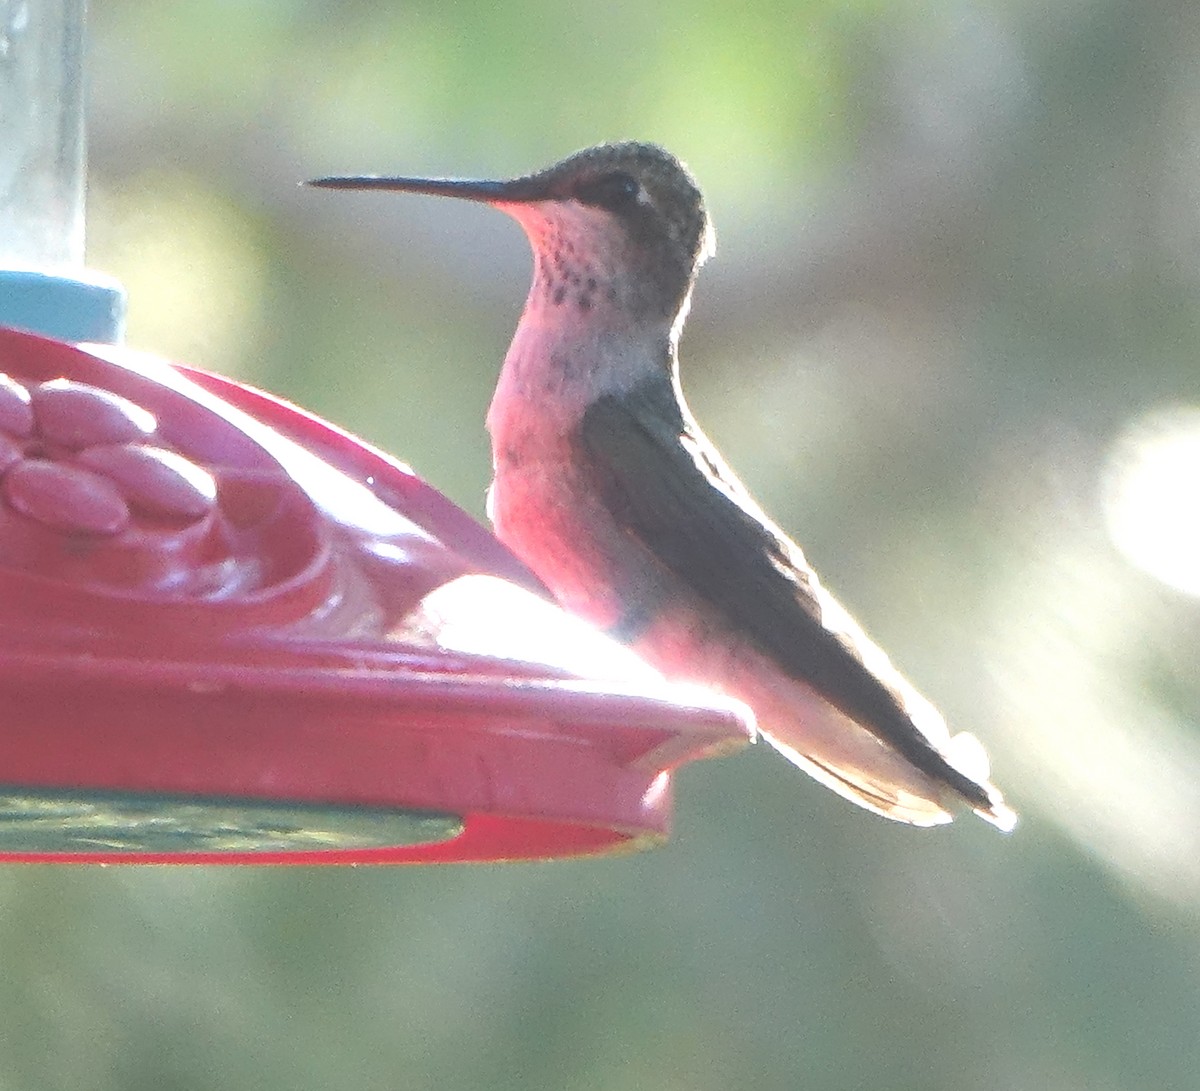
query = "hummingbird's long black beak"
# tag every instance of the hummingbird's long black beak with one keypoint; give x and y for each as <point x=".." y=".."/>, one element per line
<point x="490" y="192"/>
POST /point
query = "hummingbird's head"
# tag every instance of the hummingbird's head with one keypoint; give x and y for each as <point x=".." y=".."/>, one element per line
<point x="617" y="230"/>
<point x="628" y="216"/>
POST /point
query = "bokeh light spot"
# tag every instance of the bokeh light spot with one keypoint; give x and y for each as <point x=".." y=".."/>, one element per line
<point x="1152" y="495"/>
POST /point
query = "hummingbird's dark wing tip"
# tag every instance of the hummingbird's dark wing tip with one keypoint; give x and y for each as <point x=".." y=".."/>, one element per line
<point x="999" y="814"/>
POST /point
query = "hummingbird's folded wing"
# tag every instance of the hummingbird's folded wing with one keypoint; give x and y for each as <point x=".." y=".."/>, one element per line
<point x="667" y="485"/>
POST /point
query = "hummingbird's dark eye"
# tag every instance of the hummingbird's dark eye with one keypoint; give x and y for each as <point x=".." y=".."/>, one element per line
<point x="614" y="191"/>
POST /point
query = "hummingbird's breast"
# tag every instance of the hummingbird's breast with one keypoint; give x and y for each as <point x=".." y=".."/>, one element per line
<point x="543" y="512"/>
<point x="542" y="501"/>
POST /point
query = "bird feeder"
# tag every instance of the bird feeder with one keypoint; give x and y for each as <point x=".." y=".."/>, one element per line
<point x="231" y="632"/>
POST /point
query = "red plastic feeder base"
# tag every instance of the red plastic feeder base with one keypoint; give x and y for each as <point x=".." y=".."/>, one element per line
<point x="231" y="633"/>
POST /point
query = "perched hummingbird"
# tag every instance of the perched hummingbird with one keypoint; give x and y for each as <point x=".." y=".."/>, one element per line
<point x="606" y="487"/>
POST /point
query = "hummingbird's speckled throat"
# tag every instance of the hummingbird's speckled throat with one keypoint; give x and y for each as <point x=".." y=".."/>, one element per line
<point x="570" y="270"/>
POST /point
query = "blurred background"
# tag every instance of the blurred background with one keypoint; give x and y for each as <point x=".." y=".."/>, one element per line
<point x="949" y="339"/>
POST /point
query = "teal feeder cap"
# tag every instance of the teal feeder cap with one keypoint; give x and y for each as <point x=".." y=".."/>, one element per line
<point x="86" y="306"/>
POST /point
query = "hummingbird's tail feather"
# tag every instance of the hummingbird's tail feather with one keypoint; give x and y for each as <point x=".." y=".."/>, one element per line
<point x="999" y="814"/>
<point x="887" y="800"/>
<point x="965" y="753"/>
<point x="896" y="799"/>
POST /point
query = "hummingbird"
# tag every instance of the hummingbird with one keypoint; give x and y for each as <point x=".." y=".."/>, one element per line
<point x="605" y="486"/>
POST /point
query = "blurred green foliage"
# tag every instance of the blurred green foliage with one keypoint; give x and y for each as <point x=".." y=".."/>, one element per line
<point x="957" y="281"/>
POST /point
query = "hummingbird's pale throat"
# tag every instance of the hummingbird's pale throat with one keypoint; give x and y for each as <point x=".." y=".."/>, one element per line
<point x="585" y="312"/>
<point x="607" y="488"/>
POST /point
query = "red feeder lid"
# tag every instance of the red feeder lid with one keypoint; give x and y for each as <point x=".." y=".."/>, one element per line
<point x="230" y="632"/>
